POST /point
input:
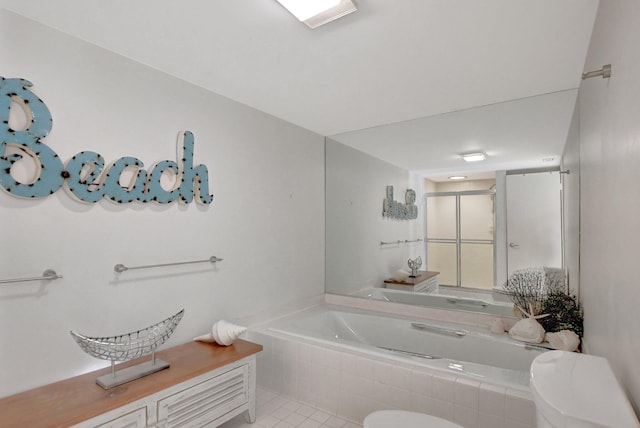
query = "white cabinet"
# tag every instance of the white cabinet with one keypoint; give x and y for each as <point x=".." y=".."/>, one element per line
<point x="207" y="400"/>
<point x="425" y="282"/>
<point x="205" y="385"/>
<point x="135" y="419"/>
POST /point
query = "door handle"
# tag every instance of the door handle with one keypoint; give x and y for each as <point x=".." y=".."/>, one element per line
<point x="514" y="245"/>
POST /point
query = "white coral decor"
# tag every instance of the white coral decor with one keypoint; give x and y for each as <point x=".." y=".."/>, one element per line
<point x="223" y="333"/>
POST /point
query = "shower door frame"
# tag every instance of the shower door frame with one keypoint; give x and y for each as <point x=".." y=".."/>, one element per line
<point x="458" y="240"/>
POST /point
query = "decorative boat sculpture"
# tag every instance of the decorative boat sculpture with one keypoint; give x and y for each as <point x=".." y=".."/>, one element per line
<point x="127" y="347"/>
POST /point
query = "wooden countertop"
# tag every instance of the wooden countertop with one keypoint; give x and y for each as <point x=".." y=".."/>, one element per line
<point x="407" y="280"/>
<point x="78" y="399"/>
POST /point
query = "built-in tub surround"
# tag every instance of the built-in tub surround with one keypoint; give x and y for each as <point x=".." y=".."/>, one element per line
<point x="314" y="357"/>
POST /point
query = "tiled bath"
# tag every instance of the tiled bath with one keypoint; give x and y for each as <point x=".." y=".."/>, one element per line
<point x="350" y="386"/>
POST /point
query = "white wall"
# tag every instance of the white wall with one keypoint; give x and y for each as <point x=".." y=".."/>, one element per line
<point x="355" y="190"/>
<point x="534" y="220"/>
<point x="571" y="203"/>
<point x="266" y="221"/>
<point x="609" y="192"/>
<point x="501" y="229"/>
<point x="460" y="186"/>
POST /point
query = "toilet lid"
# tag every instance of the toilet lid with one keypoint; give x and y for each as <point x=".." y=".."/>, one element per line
<point x="404" y="419"/>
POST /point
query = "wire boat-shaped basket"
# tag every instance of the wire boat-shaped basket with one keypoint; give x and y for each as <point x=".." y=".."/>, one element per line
<point x="127" y="347"/>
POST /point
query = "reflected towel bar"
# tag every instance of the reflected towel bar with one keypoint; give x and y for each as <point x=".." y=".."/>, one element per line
<point x="121" y="268"/>
<point x="468" y="302"/>
<point x="48" y="274"/>
<point x="400" y="242"/>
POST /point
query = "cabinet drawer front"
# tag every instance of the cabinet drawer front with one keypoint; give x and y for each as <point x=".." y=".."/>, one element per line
<point x="135" y="419"/>
<point x="206" y="401"/>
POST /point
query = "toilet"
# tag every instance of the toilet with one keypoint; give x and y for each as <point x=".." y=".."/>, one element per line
<point x="578" y="391"/>
<point x="404" y="419"/>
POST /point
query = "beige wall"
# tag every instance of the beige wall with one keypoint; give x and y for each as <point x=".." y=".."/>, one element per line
<point x="458" y="186"/>
<point x="610" y="192"/>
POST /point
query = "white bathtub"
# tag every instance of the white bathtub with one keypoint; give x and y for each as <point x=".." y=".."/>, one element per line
<point x="463" y="350"/>
<point x="443" y="298"/>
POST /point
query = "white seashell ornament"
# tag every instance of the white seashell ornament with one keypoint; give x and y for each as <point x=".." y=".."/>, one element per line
<point x="527" y="330"/>
<point x="223" y="333"/>
<point x="565" y="340"/>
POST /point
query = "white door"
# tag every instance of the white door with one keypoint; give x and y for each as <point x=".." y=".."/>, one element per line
<point x="534" y="221"/>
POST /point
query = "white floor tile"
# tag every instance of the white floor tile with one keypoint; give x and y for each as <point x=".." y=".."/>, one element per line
<point x="267" y="421"/>
<point x="276" y="411"/>
<point x="335" y="422"/>
<point x="282" y="412"/>
<point x="320" y="416"/>
<point x="292" y="405"/>
<point x="310" y="423"/>
<point x="295" y="419"/>
<point x="306" y="410"/>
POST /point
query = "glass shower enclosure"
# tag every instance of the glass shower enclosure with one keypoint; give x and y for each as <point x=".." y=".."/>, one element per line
<point x="461" y="237"/>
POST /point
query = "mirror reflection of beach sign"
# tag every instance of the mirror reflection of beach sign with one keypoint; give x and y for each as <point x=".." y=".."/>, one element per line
<point x="398" y="210"/>
<point x="84" y="176"/>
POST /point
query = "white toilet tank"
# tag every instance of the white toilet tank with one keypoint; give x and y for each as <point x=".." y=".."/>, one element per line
<point x="578" y="391"/>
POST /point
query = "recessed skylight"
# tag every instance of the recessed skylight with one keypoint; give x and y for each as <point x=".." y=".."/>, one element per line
<point x="457" y="177"/>
<point x="315" y="13"/>
<point x="474" y="157"/>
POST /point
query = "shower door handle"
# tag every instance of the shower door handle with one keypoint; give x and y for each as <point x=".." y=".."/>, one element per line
<point x="514" y="245"/>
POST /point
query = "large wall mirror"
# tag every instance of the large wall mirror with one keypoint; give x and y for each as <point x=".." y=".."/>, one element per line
<point x="465" y="229"/>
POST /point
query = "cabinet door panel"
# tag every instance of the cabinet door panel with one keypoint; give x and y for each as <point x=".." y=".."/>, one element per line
<point x="206" y="401"/>
<point x="135" y="419"/>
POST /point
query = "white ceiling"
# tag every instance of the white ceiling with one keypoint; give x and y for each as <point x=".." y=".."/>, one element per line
<point x="389" y="62"/>
<point x="520" y="134"/>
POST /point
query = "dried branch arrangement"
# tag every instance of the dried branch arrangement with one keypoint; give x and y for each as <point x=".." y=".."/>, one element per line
<point x="529" y="287"/>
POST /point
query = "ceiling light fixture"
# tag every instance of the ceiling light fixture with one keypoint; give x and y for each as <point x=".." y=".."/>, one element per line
<point x="474" y="157"/>
<point x="315" y="13"/>
<point x="457" y="177"/>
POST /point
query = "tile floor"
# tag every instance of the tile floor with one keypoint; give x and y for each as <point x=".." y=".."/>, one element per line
<point x="276" y="411"/>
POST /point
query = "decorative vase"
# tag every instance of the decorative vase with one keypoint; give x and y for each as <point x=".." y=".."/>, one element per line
<point x="414" y="265"/>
